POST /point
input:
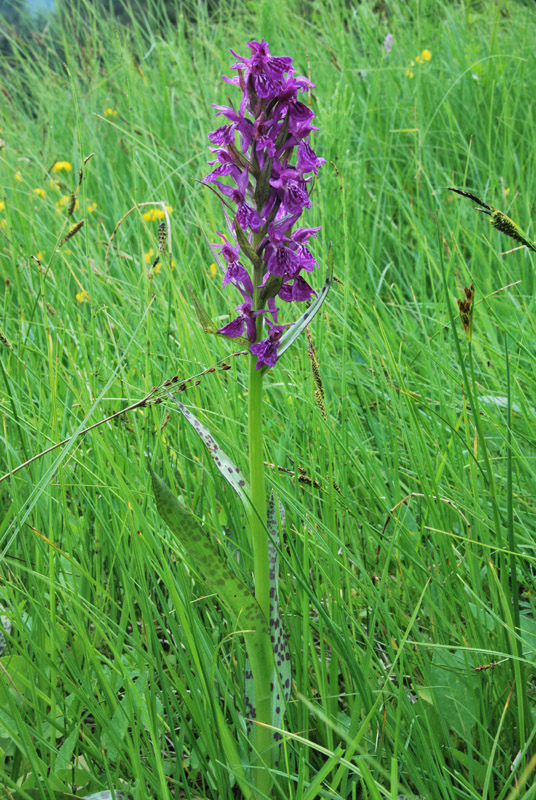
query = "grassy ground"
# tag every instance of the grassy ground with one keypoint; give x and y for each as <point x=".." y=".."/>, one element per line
<point x="411" y="553"/>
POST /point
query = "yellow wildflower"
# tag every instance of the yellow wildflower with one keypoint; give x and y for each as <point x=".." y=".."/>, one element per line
<point x="110" y="112"/>
<point x="426" y="55"/>
<point x="213" y="270"/>
<point x="59" y="165"/>
<point x="157" y="268"/>
<point x="149" y="254"/>
<point x="155" y="214"/>
<point x="18" y="176"/>
<point x="82" y="296"/>
<point x="91" y="207"/>
<point x="39" y="191"/>
<point x="409" y="73"/>
<point x="2" y="205"/>
<point x="40" y="255"/>
<point x="173" y="265"/>
<point x="418" y="60"/>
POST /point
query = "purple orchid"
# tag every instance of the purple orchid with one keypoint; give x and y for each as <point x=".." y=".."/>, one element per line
<point x="263" y="164"/>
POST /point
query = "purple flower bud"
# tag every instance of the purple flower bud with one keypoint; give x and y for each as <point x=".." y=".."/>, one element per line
<point x="388" y="42"/>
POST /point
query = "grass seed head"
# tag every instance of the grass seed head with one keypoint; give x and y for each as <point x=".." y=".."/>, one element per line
<point x="466" y="310"/>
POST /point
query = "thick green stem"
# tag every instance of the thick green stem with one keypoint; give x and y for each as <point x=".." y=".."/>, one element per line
<point x="257" y="516"/>
<point x="259" y="540"/>
<point x="262" y="674"/>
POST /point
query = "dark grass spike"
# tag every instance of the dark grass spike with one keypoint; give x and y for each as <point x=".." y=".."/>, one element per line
<point x="74" y="230"/>
<point x="473" y="197"/>
<point x="162" y="235"/>
<point x="499" y="220"/>
<point x="315" y="368"/>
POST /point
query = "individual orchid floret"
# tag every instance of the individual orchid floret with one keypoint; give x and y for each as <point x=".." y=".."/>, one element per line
<point x="266" y="351"/>
<point x="246" y="317"/>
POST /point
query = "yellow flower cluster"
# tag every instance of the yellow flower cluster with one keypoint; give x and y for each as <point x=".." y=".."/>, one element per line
<point x="421" y="59"/>
<point x="110" y="112"/>
<point x="2" y="205"/>
<point x="156" y="213"/>
<point x="62" y="165"/>
<point x="18" y="176"/>
<point x="40" y="192"/>
<point x="91" y="207"/>
<point x="213" y="270"/>
<point x="149" y="254"/>
<point x="82" y="296"/>
<point x="424" y="56"/>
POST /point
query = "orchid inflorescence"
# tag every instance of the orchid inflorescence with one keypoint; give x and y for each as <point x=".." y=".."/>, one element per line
<point x="268" y="195"/>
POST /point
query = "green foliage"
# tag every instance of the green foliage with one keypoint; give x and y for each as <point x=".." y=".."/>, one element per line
<point x="397" y="569"/>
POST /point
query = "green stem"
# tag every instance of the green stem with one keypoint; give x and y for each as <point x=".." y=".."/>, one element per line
<point x="259" y="540"/>
<point x="257" y="515"/>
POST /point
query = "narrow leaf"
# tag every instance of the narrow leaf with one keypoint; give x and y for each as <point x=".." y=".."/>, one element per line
<point x="206" y="323"/>
<point x="262" y="190"/>
<point x="246" y="247"/>
<point x="228" y="469"/>
<point x="270" y="289"/>
<point x="108" y="795"/>
<point x="292" y="333"/>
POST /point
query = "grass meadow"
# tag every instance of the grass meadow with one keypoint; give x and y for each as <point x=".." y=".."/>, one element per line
<point x="409" y="562"/>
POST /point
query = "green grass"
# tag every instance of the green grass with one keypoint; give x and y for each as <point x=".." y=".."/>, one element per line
<point x="117" y="663"/>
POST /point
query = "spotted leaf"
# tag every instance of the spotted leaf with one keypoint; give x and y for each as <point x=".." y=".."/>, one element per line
<point x="203" y="557"/>
<point x="281" y="678"/>
<point x="228" y="469"/>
